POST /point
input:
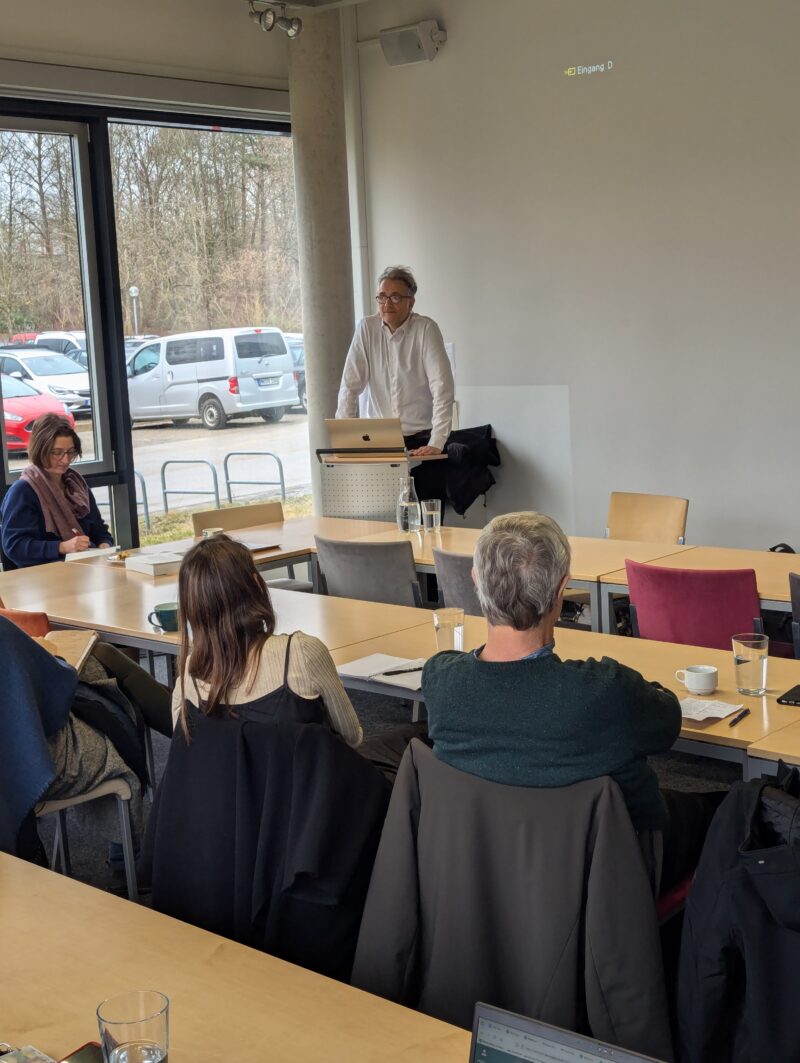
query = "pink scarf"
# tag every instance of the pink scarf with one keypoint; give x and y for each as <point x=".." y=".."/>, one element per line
<point x="64" y="500"/>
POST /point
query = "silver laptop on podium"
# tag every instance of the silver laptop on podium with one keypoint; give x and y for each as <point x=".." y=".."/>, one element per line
<point x="502" y="1037"/>
<point x="364" y="433"/>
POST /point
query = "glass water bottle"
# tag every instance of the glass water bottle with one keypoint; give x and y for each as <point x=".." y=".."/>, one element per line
<point x="408" y="515"/>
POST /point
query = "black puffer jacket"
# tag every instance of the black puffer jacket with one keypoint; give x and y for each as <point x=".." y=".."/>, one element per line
<point x="740" y="953"/>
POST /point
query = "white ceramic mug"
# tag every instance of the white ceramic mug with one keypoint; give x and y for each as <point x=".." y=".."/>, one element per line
<point x="208" y="532"/>
<point x="698" y="678"/>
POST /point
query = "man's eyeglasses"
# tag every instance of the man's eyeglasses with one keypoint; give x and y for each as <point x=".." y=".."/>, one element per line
<point x="395" y="298"/>
<point x="57" y="453"/>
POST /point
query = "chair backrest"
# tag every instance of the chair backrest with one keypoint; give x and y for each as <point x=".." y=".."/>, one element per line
<point x="696" y="608"/>
<point x="454" y="576"/>
<point x="649" y="518"/>
<point x="35" y="624"/>
<point x="285" y="871"/>
<point x="536" y="899"/>
<point x="373" y="572"/>
<point x="237" y="517"/>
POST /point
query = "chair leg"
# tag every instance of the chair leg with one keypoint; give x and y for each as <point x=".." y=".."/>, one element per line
<point x="148" y="752"/>
<point x="61" y="845"/>
<point x="127" y="848"/>
<point x="418" y="712"/>
<point x="290" y="570"/>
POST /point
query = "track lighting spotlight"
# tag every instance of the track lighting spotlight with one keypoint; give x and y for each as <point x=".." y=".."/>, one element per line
<point x="269" y="18"/>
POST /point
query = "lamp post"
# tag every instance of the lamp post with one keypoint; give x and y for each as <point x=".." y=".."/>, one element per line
<point x="133" y="292"/>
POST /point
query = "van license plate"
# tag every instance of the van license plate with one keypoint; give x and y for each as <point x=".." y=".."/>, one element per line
<point x="267" y="381"/>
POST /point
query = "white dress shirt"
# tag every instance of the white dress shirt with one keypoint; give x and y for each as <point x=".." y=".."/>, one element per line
<point x="405" y="374"/>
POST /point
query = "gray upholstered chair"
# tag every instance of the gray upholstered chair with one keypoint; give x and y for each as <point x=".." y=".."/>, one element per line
<point x="374" y="572"/>
<point x="454" y="576"/>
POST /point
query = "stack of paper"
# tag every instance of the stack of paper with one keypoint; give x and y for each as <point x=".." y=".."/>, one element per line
<point x="378" y="664"/>
<point x="701" y="709"/>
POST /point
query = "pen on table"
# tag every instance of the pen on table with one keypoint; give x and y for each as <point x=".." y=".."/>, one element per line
<point x="400" y="671"/>
<point x="739" y="717"/>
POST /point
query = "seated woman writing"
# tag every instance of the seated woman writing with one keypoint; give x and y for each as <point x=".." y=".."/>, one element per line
<point x="50" y="510"/>
<point x="236" y="665"/>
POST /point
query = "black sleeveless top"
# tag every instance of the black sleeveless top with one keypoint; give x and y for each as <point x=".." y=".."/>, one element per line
<point x="282" y="705"/>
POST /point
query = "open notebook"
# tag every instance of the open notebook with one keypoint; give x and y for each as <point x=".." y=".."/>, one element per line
<point x="73" y="646"/>
<point x="376" y="665"/>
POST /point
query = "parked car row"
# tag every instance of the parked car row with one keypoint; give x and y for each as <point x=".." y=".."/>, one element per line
<point x="216" y="375"/>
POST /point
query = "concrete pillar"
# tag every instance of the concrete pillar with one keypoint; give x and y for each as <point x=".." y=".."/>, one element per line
<point x="316" y="99"/>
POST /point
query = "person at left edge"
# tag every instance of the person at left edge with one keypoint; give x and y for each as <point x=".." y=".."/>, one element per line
<point x="50" y="510"/>
<point x="397" y="359"/>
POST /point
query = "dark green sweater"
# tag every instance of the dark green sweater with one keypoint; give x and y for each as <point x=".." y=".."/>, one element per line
<point x="548" y="722"/>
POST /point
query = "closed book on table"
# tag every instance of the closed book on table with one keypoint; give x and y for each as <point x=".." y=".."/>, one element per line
<point x="164" y="564"/>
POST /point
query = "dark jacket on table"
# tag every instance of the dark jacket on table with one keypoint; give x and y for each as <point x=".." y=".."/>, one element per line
<point x="465" y="475"/>
<point x="532" y="900"/>
<point x="266" y="833"/>
<point x="740" y="952"/>
<point x="25" y="540"/>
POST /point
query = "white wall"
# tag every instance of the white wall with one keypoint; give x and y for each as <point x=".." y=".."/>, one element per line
<point x="203" y="41"/>
<point x="631" y="236"/>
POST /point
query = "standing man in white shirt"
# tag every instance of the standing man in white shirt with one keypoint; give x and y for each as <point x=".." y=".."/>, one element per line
<point x="398" y="358"/>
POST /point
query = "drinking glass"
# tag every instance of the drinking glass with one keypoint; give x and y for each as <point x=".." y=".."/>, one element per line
<point x="431" y="514"/>
<point x="449" y="625"/>
<point x="134" y="1027"/>
<point x="750" y="653"/>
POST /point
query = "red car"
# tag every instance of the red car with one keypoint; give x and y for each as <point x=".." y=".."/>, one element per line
<point x="22" y="404"/>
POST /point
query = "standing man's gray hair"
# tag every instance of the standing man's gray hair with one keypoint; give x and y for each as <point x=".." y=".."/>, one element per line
<point x="520" y="561"/>
<point x="399" y="273"/>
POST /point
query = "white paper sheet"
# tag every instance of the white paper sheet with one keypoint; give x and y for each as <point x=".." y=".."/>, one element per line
<point x="702" y="709"/>
<point x="377" y="664"/>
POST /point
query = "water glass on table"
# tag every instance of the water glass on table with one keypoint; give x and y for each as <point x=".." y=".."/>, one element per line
<point x="449" y="625"/>
<point x="750" y="655"/>
<point x="431" y="514"/>
<point x="134" y="1027"/>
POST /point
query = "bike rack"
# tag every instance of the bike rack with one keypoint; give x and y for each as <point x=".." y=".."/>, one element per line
<point x="280" y="482"/>
<point x="186" y="461"/>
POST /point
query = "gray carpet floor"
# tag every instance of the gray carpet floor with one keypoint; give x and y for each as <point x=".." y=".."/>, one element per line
<point x="88" y="849"/>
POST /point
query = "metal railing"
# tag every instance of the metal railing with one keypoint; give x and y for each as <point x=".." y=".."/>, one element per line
<point x="143" y="502"/>
<point x="280" y="482"/>
<point x="182" y="491"/>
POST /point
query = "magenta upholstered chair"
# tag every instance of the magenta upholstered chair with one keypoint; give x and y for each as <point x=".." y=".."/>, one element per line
<point x="696" y="608"/>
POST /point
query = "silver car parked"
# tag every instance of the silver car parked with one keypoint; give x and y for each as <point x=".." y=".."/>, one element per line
<point x="214" y="375"/>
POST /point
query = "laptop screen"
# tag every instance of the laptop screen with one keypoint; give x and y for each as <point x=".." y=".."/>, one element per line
<point x="502" y="1037"/>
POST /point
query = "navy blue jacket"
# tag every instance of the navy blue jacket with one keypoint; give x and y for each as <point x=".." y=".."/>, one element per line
<point x="25" y="540"/>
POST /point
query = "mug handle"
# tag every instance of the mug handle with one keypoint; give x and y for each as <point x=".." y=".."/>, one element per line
<point x="680" y="675"/>
<point x="156" y="622"/>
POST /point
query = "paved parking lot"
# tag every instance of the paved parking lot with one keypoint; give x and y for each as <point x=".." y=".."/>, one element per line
<point x="154" y="444"/>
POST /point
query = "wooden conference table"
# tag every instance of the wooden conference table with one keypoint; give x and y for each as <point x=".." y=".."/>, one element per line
<point x="655" y="660"/>
<point x="67" y="946"/>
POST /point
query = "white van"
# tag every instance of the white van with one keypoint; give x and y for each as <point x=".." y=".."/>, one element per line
<point x="213" y="375"/>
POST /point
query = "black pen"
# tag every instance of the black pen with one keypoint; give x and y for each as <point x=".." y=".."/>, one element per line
<point x="739" y="717"/>
<point x="401" y="671"/>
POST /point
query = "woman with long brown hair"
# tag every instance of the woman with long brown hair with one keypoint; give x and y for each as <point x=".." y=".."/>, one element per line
<point x="231" y="661"/>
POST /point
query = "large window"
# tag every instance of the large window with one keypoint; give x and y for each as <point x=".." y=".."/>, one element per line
<point x="49" y="303"/>
<point x="149" y="288"/>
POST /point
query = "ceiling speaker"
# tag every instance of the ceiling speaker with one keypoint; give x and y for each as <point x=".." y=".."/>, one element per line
<point x="412" y="44"/>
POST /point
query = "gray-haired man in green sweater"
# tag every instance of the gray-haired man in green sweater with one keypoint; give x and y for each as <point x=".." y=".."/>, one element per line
<point x="514" y="713"/>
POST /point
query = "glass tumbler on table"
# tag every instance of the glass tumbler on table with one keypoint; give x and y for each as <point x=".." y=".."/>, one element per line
<point x="134" y="1027"/>
<point x="449" y="625"/>
<point x="750" y="656"/>
<point x="431" y="514"/>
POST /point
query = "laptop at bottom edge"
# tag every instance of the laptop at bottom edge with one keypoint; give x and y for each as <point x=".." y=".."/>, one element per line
<point x="502" y="1037"/>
